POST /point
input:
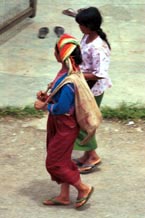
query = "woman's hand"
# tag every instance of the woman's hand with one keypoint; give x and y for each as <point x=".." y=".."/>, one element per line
<point x="42" y="96"/>
<point x="38" y="94"/>
<point x="40" y="105"/>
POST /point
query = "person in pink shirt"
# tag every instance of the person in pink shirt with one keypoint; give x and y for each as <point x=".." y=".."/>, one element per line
<point x="95" y="50"/>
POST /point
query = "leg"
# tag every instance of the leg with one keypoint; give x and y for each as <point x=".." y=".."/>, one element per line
<point x="91" y="163"/>
<point x="93" y="157"/>
<point x="90" y="158"/>
<point x="84" y="193"/>
<point x="81" y="160"/>
<point x="64" y="193"/>
<point x="58" y="161"/>
<point x="62" y="198"/>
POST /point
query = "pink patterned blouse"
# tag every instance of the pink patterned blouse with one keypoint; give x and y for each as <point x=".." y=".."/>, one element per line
<point x="96" y="60"/>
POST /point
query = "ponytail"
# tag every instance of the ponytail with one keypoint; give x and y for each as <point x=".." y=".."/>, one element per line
<point x="103" y="36"/>
<point x="92" y="19"/>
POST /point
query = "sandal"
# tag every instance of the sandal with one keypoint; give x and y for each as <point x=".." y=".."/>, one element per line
<point x="53" y="201"/>
<point x="82" y="201"/>
<point x="43" y="31"/>
<point x="77" y="162"/>
<point x="59" y="30"/>
<point x="88" y="168"/>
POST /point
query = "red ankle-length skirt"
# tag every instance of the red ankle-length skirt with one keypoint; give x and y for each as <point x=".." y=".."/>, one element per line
<point x="62" y="132"/>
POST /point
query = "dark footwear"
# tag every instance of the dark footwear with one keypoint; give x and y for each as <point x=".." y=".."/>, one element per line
<point x="88" y="168"/>
<point x="70" y="12"/>
<point x="84" y="200"/>
<point x="59" y="30"/>
<point x="43" y="31"/>
<point x="77" y="162"/>
<point x="53" y="201"/>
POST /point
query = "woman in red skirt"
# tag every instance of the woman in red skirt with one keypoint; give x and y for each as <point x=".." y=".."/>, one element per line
<point x="63" y="128"/>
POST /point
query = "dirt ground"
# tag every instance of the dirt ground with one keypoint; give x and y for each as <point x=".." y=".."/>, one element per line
<point x="118" y="181"/>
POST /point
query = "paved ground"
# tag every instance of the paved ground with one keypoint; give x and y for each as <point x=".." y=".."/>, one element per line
<point x="118" y="181"/>
<point x="26" y="65"/>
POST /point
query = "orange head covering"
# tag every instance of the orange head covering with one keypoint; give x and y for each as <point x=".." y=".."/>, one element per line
<point x="66" y="45"/>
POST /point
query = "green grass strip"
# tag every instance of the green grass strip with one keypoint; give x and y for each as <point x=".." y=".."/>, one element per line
<point x="122" y="112"/>
<point x="20" y="112"/>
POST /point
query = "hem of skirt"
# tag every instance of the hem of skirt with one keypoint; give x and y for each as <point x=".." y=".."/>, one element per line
<point x="83" y="148"/>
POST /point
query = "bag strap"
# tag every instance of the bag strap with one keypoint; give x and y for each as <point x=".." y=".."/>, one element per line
<point x="68" y="79"/>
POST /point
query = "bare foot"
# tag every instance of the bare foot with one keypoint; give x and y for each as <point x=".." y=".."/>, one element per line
<point x="84" y="197"/>
<point x="92" y="161"/>
<point x="83" y="158"/>
<point x="93" y="158"/>
<point x="56" y="201"/>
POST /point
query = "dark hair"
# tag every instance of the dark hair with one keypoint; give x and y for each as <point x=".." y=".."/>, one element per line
<point x="56" y="49"/>
<point x="92" y="19"/>
<point x="76" y="55"/>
